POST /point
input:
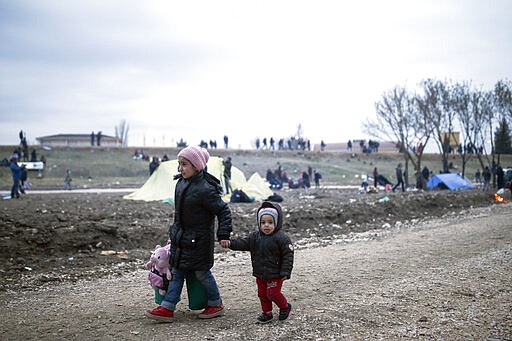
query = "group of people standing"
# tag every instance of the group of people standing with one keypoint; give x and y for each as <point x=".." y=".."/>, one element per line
<point x="484" y="178"/>
<point x="96" y="139"/>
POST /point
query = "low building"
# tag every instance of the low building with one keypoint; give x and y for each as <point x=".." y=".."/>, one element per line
<point x="77" y="140"/>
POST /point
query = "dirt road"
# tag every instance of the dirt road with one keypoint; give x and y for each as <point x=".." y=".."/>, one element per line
<point x="434" y="280"/>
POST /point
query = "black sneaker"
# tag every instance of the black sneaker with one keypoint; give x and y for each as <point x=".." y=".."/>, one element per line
<point x="283" y="313"/>
<point x="265" y="317"/>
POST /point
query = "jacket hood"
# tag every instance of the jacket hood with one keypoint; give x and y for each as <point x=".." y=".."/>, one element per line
<point x="279" y="214"/>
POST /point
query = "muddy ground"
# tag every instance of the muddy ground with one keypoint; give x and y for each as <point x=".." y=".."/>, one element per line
<point x="53" y="243"/>
<point x="61" y="237"/>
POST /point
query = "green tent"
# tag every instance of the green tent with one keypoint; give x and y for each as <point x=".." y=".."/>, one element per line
<point x="160" y="185"/>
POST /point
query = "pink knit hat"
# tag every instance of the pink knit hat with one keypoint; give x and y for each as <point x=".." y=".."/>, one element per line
<point x="197" y="156"/>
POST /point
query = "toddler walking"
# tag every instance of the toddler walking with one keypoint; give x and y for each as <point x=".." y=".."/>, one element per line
<point x="271" y="257"/>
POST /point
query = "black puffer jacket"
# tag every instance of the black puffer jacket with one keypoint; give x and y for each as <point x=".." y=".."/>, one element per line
<point x="192" y="235"/>
<point x="271" y="255"/>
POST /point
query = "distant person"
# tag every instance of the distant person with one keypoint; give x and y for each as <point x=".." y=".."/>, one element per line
<point x="349" y="145"/>
<point x="486" y="174"/>
<point x="305" y="180"/>
<point x="198" y="204"/>
<point x="153" y="165"/>
<point x="271" y="257"/>
<point x="399" y="177"/>
<point x="419" y="179"/>
<point x="226" y="139"/>
<point x="16" y="177"/>
<point x="425" y="172"/>
<point x="92" y="138"/>
<point x="227" y="173"/>
<point x="33" y="156"/>
<point x="375" y="176"/>
<point x="24" y="179"/>
<point x="24" y="148"/>
<point x="67" y="180"/>
<point x="322" y="145"/>
<point x="317" y="176"/>
<point x="273" y="180"/>
<point x="98" y="138"/>
<point x="500" y="177"/>
<point x="478" y="177"/>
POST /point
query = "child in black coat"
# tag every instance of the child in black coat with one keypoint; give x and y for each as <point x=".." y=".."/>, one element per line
<point x="272" y="259"/>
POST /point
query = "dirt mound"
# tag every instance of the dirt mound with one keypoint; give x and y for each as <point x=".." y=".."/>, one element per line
<point x="66" y="237"/>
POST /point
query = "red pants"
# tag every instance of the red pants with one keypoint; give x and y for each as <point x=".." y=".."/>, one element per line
<point x="269" y="290"/>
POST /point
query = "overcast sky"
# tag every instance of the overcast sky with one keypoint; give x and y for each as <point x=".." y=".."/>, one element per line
<point x="202" y="69"/>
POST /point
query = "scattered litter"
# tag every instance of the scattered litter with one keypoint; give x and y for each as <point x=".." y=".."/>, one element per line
<point x="112" y="252"/>
<point x="385" y="199"/>
<point x="108" y="252"/>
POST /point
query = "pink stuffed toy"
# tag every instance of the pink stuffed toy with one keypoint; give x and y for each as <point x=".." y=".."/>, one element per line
<point x="160" y="273"/>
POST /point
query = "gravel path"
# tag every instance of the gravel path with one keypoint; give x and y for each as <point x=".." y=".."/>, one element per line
<point x="438" y="280"/>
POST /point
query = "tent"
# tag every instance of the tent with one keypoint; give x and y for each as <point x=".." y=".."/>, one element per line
<point x="160" y="185"/>
<point x="449" y="180"/>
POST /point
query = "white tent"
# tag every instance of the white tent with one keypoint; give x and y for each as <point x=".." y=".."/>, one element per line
<point x="160" y="185"/>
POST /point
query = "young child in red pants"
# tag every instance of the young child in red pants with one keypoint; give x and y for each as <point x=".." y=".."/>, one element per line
<point x="272" y="259"/>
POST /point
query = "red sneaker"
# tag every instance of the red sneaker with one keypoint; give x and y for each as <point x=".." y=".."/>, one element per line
<point x="160" y="314"/>
<point x="212" y="311"/>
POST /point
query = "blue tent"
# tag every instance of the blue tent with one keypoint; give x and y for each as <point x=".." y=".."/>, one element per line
<point x="449" y="180"/>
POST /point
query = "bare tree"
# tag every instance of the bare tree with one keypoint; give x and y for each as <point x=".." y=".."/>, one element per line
<point x="503" y="104"/>
<point x="436" y="114"/>
<point x="482" y="116"/>
<point x="423" y="130"/>
<point x="122" y="132"/>
<point x="441" y="116"/>
<point x="461" y="100"/>
<point x="503" y="96"/>
<point x="393" y="120"/>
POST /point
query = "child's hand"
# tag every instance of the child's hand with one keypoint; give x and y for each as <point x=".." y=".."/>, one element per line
<point x="225" y="243"/>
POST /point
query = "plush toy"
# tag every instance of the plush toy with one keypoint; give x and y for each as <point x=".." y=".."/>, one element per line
<point x="160" y="271"/>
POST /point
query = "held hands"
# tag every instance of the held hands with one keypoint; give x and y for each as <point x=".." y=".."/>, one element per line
<point x="225" y="243"/>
